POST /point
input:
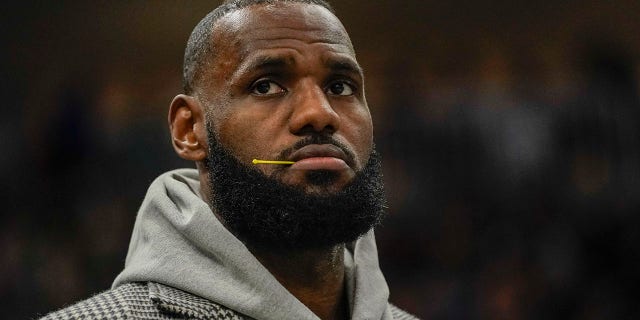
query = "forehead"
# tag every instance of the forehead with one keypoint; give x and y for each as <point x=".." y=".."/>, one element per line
<point x="283" y="23"/>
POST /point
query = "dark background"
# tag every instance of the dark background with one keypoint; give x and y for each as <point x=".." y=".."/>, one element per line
<point x="509" y="130"/>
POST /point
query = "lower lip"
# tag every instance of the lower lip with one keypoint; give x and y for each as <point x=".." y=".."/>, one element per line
<point x="320" y="163"/>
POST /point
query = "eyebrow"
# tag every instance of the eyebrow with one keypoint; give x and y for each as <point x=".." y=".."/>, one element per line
<point x="271" y="62"/>
<point x="343" y="65"/>
<point x="262" y="62"/>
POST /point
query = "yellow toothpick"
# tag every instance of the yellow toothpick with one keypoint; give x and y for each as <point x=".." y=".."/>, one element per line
<point x="256" y="161"/>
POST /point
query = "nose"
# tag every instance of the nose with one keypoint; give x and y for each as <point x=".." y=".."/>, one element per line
<point x="312" y="111"/>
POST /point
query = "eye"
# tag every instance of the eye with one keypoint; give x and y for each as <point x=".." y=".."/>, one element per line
<point x="340" y="88"/>
<point x="266" y="87"/>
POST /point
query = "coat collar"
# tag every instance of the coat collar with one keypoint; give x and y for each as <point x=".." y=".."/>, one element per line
<point x="175" y="301"/>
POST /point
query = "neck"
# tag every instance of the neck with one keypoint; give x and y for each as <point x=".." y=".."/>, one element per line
<point x="315" y="277"/>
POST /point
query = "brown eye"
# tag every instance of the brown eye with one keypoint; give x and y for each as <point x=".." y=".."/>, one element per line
<point x="340" y="88"/>
<point x="266" y="87"/>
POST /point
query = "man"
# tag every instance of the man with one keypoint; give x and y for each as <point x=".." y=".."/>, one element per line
<point x="276" y="221"/>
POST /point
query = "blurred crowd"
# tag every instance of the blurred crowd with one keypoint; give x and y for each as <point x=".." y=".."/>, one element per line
<point x="505" y="205"/>
<point x="513" y="182"/>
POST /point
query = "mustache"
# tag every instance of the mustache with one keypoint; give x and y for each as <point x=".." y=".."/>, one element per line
<point x="317" y="139"/>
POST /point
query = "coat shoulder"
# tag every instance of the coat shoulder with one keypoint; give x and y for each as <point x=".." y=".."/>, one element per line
<point x="114" y="304"/>
<point x="145" y="301"/>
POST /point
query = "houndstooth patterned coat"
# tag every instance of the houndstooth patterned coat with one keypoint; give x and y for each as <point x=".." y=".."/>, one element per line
<point x="154" y="301"/>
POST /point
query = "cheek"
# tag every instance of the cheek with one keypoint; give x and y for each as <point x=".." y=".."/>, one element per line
<point x="238" y="137"/>
<point x="359" y="132"/>
<point x="248" y="135"/>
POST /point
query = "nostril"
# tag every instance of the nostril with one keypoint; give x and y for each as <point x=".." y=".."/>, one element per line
<point x="328" y="130"/>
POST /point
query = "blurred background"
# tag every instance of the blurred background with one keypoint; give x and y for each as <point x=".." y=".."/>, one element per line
<point x="510" y="132"/>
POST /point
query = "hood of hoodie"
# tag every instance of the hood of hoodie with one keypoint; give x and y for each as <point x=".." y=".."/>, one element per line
<point x="179" y="242"/>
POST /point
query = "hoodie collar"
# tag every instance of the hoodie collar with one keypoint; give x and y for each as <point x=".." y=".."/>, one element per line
<point x="178" y="242"/>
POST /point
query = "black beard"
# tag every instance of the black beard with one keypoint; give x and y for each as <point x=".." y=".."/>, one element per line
<point x="268" y="214"/>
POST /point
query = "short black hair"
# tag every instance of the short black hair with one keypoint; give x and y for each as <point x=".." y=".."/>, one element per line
<point x="200" y="46"/>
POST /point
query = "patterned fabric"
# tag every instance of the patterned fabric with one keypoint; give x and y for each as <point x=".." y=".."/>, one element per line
<point x="149" y="301"/>
<point x="154" y="301"/>
<point x="171" y="300"/>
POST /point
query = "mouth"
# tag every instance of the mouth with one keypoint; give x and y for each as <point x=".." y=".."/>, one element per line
<point x="319" y="157"/>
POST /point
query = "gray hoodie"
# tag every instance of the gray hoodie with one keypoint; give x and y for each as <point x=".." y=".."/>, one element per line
<point x="178" y="241"/>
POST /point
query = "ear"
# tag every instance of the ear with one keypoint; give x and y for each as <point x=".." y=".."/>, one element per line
<point x="187" y="126"/>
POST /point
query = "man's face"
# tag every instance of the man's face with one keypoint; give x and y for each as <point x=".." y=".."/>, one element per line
<point x="281" y="75"/>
